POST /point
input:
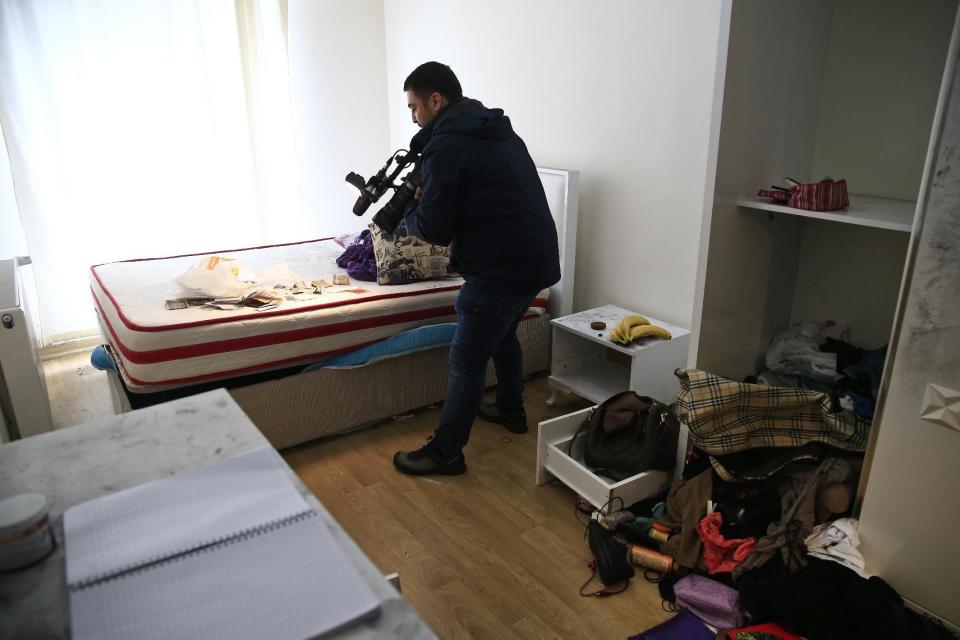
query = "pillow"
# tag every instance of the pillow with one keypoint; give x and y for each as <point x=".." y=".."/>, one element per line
<point x="403" y="258"/>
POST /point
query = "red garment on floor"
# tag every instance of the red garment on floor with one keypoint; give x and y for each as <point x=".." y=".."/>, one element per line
<point x="761" y="631"/>
<point x="719" y="554"/>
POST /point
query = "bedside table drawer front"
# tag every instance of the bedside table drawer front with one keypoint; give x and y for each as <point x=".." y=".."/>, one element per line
<point x="553" y="462"/>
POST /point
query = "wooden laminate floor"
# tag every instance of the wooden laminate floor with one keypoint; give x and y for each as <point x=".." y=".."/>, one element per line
<point x="483" y="555"/>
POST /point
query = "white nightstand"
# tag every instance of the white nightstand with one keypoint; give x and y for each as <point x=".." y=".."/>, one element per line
<point x="586" y="362"/>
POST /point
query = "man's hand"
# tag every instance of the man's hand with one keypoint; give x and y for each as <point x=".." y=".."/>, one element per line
<point x="416" y="194"/>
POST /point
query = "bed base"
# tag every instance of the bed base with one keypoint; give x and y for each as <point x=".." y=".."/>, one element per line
<point x="295" y="408"/>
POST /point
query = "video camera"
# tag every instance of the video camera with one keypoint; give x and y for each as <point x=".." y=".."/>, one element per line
<point x="373" y="189"/>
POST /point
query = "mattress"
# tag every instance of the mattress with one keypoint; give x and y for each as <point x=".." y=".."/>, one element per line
<point x="158" y="348"/>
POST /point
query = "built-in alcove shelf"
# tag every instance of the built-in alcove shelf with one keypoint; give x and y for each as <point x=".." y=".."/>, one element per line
<point x="867" y="211"/>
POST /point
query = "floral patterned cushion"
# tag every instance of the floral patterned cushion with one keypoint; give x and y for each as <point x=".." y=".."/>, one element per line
<point x="402" y="257"/>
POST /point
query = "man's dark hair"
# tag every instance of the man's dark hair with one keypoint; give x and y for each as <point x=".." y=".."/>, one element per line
<point x="433" y="76"/>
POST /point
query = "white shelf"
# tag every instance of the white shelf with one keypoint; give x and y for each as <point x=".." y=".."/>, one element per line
<point x="867" y="211"/>
<point x="596" y="385"/>
<point x="579" y="324"/>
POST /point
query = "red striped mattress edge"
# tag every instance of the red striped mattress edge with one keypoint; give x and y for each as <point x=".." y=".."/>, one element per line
<point x="232" y="373"/>
<point x="279" y="337"/>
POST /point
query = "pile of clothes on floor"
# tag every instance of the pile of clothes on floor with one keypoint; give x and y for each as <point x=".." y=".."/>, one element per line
<point x="756" y="539"/>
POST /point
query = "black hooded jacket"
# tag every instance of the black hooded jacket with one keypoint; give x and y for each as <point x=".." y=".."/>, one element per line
<point x="482" y="196"/>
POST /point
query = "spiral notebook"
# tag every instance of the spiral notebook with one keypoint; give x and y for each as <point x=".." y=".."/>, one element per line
<point x="227" y="550"/>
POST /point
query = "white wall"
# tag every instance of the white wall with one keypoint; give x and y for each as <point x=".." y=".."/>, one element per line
<point x="338" y="67"/>
<point x="850" y="274"/>
<point x="881" y="80"/>
<point x="620" y="91"/>
<point x="12" y="241"/>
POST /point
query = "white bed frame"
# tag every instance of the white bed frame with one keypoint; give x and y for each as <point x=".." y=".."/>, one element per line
<point x="562" y="188"/>
<point x="304" y="406"/>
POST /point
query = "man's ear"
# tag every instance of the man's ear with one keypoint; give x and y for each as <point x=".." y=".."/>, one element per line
<point x="437" y="101"/>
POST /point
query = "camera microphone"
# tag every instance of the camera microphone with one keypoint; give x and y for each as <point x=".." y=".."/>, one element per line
<point x="364" y="201"/>
<point x="373" y="189"/>
<point x="356" y="180"/>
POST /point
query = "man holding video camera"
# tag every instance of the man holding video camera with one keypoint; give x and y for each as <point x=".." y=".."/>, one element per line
<point x="482" y="196"/>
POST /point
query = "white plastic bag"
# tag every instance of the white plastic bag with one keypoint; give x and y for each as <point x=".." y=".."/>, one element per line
<point x="796" y="351"/>
<point x="218" y="277"/>
<point x="278" y="274"/>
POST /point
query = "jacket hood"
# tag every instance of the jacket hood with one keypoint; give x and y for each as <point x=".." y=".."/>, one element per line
<point x="465" y="117"/>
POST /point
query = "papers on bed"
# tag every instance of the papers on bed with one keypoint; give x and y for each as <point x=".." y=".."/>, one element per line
<point x="264" y="299"/>
<point x="225" y="277"/>
<point x="226" y="550"/>
<point x="219" y="277"/>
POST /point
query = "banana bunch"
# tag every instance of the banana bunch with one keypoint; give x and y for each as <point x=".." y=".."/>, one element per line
<point x="621" y="332"/>
<point x="635" y="327"/>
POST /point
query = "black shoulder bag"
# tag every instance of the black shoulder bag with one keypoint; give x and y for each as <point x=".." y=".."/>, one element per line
<point x="628" y="434"/>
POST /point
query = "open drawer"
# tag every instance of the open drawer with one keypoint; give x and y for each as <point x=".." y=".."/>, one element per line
<point x="553" y="440"/>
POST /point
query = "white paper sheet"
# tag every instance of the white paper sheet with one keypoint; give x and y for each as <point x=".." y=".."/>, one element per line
<point x="294" y="582"/>
<point x="176" y="514"/>
<point x="227" y="550"/>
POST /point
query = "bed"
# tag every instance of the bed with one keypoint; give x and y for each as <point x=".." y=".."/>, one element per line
<point x="260" y="356"/>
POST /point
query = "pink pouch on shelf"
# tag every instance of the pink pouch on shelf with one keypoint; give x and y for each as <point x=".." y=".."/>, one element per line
<point x="826" y="195"/>
<point x="716" y="604"/>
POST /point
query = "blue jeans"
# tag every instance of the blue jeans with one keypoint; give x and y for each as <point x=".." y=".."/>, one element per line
<point x="486" y="328"/>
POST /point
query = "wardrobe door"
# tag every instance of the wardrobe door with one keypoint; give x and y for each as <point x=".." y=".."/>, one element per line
<point x="909" y="517"/>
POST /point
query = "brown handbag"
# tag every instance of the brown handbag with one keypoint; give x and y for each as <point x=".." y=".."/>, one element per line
<point x="628" y="434"/>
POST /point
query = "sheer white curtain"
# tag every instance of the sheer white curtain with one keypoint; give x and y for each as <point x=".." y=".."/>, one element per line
<point x="141" y="128"/>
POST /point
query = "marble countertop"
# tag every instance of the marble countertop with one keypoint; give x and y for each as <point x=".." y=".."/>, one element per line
<point x="87" y="461"/>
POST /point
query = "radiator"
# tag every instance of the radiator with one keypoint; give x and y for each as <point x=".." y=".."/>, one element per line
<point x="24" y="404"/>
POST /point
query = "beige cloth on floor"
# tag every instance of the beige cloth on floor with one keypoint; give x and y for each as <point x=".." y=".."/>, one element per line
<point x="686" y="506"/>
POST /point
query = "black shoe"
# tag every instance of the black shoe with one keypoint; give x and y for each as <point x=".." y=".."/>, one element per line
<point x="515" y="420"/>
<point x="429" y="460"/>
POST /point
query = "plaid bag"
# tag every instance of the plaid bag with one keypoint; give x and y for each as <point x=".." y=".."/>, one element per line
<point x="726" y="416"/>
<point x="826" y="195"/>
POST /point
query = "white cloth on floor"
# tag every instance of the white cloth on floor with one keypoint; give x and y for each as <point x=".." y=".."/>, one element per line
<point x="838" y="541"/>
